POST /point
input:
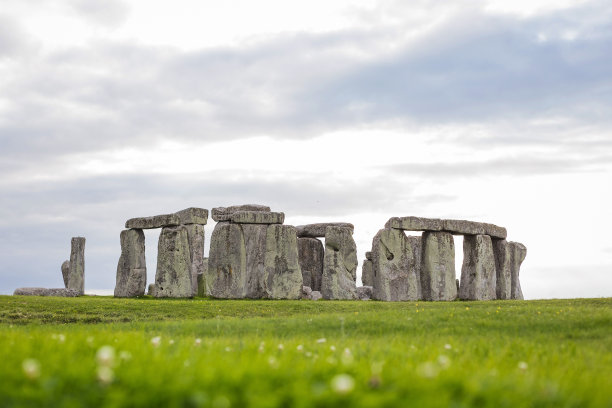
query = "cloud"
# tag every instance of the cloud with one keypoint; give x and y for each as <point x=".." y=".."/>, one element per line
<point x="108" y="12"/>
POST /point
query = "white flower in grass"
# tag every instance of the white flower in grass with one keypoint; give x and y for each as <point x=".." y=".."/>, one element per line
<point x="308" y="354"/>
<point x="428" y="370"/>
<point x="156" y="341"/>
<point x="300" y="348"/>
<point x="106" y="356"/>
<point x="228" y="349"/>
<point x="444" y="361"/>
<point x="342" y="384"/>
<point x="522" y="366"/>
<point x="448" y="346"/>
<point x="31" y="368"/>
<point x="332" y="348"/>
<point x="61" y="338"/>
<point x="321" y="340"/>
<point x="105" y="374"/>
<point x="171" y="341"/>
<point x="273" y="362"/>
<point x="90" y="340"/>
<point x="125" y="355"/>
<point x="347" y="357"/>
<point x="281" y="347"/>
<point x="261" y="347"/>
<point x="198" y="341"/>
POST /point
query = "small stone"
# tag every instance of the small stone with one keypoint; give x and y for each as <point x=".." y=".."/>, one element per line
<point x="157" y="221"/>
<point x="364" y="292"/>
<point x="151" y="289"/>
<point x="131" y="277"/>
<point x="173" y="275"/>
<point x="65" y="272"/>
<point x="318" y="230"/>
<point x="220" y="214"/>
<point x="76" y="271"/>
<point x="368" y="255"/>
<point x="311" y="255"/>
<point x="462" y="227"/>
<point x="257" y="217"/>
<point x="367" y="273"/>
<point x="316" y="295"/>
<point x="438" y="266"/>
<point x="339" y="264"/>
<point x="306" y="292"/>
<point x="415" y="224"/>
<point x="203" y="289"/>
<point x="478" y="276"/>
<point x="193" y="215"/>
<point x="59" y="292"/>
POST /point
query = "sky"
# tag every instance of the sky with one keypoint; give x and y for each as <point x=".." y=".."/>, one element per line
<point x="349" y="111"/>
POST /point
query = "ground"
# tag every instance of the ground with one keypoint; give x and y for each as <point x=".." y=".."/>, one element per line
<point x="101" y="351"/>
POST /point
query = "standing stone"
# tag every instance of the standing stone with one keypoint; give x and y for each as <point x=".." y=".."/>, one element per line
<point x="132" y="267"/>
<point x="339" y="264"/>
<point x="76" y="271"/>
<point x="195" y="234"/>
<point x="311" y="254"/>
<point x="478" y="276"/>
<point x="396" y="264"/>
<point x="226" y="275"/>
<point x="367" y="273"/>
<point x="65" y="272"/>
<point x="438" y="266"/>
<point x="519" y="252"/>
<point x="173" y="275"/>
<point x="283" y="276"/>
<point x="203" y="289"/>
<point x="254" y="237"/>
<point x="503" y="260"/>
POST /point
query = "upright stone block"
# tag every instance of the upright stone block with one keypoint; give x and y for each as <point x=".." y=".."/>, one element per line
<point x="438" y="266"/>
<point x="254" y="237"/>
<point x="65" y="272"/>
<point x="478" y="276"/>
<point x="227" y="274"/>
<point x="132" y="267"/>
<point x="283" y="277"/>
<point x="76" y="275"/>
<point x="173" y="276"/>
<point x="503" y="269"/>
<point x="367" y="273"/>
<point x="311" y="255"/>
<point x="519" y="252"/>
<point x="195" y="234"/>
<point x="339" y="264"/>
<point x="396" y="264"/>
<point x="203" y="289"/>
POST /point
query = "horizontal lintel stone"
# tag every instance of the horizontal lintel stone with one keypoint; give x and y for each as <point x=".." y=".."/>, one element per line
<point x="219" y="214"/>
<point x="257" y="217"/>
<point x="157" y="221"/>
<point x="318" y="230"/>
<point x="193" y="215"/>
<point x="415" y="224"/>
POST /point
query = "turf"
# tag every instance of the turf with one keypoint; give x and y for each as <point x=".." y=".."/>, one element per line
<point x="101" y="351"/>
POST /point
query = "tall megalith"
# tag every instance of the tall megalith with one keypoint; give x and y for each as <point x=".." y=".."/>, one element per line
<point x="438" y="266"/>
<point x="478" y="272"/>
<point x="76" y="271"/>
<point x="132" y="268"/>
<point x="339" y="264"/>
<point x="173" y="276"/>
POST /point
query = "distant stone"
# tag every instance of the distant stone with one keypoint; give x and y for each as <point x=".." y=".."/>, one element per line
<point x="396" y="265"/>
<point x="438" y="266"/>
<point x="283" y="277"/>
<point x="220" y="214"/>
<point x="151" y="289"/>
<point x="311" y="254"/>
<point x="457" y="283"/>
<point x="306" y="292"/>
<point x="131" y="277"/>
<point x="415" y="224"/>
<point x="315" y="295"/>
<point x="257" y="217"/>
<point x="518" y="252"/>
<point x="76" y="270"/>
<point x="503" y="268"/>
<point x="368" y="255"/>
<point x="65" y="272"/>
<point x="157" y="221"/>
<point x="367" y="273"/>
<point x="462" y="227"/>
<point x="193" y="215"/>
<point x="495" y="231"/>
<point x="59" y="292"/>
<point x="318" y="230"/>
<point x="173" y="275"/>
<point x="364" y="292"/>
<point x="195" y="233"/>
<point x="339" y="264"/>
<point x="478" y="276"/>
<point x="203" y="289"/>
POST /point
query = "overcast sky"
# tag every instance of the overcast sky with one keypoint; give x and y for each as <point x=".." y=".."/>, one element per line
<point x="356" y="111"/>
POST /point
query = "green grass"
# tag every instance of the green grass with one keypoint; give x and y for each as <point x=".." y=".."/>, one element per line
<point x="553" y="353"/>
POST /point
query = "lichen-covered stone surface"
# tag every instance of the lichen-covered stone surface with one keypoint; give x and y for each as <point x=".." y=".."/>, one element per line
<point x="463" y="227"/>
<point x="157" y="221"/>
<point x="364" y="292"/>
<point x="495" y="231"/>
<point x="283" y="276"/>
<point x="368" y="255"/>
<point x="220" y="214"/>
<point x="318" y="230"/>
<point x="518" y="252"/>
<point x="396" y="265"/>
<point x="414" y="223"/>
<point x="65" y="272"/>
<point x="367" y="273"/>
<point x="193" y="215"/>
<point x="226" y="276"/>
<point x="257" y="217"/>
<point x="316" y="295"/>
<point x="173" y="275"/>
<point x="339" y="264"/>
<point x="195" y="233"/>
<point x="203" y="289"/>
<point x="478" y="276"/>
<point x="438" y="266"/>
<point x="503" y="276"/>
<point x="131" y="277"/>
<point x="254" y="237"/>
<point x="76" y="270"/>
<point x="311" y="254"/>
<point x="60" y="292"/>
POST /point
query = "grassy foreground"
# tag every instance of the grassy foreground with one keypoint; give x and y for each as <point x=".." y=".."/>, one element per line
<point x="100" y="351"/>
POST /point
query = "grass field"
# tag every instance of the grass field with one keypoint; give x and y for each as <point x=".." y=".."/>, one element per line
<point x="100" y="351"/>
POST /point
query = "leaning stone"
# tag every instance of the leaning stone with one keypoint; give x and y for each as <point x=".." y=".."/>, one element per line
<point x="283" y="276"/>
<point x="462" y="227"/>
<point x="157" y="221"/>
<point x="257" y="217"/>
<point x="173" y="275"/>
<point x="226" y="277"/>
<point x="438" y="266"/>
<point x="364" y="292"/>
<point x="131" y="278"/>
<point x="203" y="289"/>
<point x="495" y="232"/>
<point x="306" y="292"/>
<point x="367" y="273"/>
<point x="478" y="277"/>
<point x="76" y="271"/>
<point x="220" y="214"/>
<point x="195" y="233"/>
<point x="414" y="224"/>
<point x="311" y="254"/>
<point x="315" y="295"/>
<point x="193" y="215"/>
<point x="60" y="292"/>
<point x="396" y="266"/>
<point x="65" y="272"/>
<point x="519" y="252"/>
<point x="339" y="264"/>
<point x="368" y="255"/>
<point x="318" y="230"/>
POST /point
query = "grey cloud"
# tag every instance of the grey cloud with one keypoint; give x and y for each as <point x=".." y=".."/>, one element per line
<point x="108" y="12"/>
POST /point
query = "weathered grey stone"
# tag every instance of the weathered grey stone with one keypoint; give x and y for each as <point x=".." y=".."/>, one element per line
<point x="173" y="275"/>
<point x="318" y="230"/>
<point x="195" y="234"/>
<point x="414" y="224"/>
<point x="519" y="252"/>
<point x="157" y="221"/>
<point x="226" y="277"/>
<point x="76" y="270"/>
<point x="495" y="231"/>
<point x="396" y="266"/>
<point x="151" y="289"/>
<point x="457" y="284"/>
<point x="193" y="215"/>
<point x="463" y="227"/>
<point x="132" y="267"/>
<point x="368" y="255"/>
<point x="203" y="289"/>
<point x="257" y="217"/>
<point x="254" y="237"/>
<point x="503" y="268"/>
<point x="438" y="266"/>
<point x="283" y="276"/>
<point x="478" y="277"/>
<point x="306" y="292"/>
<point x="60" y="292"/>
<point x="316" y="295"/>
<point x="220" y="214"/>
<point x="65" y="272"/>
<point x="364" y="292"/>
<point x="311" y="254"/>
<point x="367" y="273"/>
<point x="339" y="264"/>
